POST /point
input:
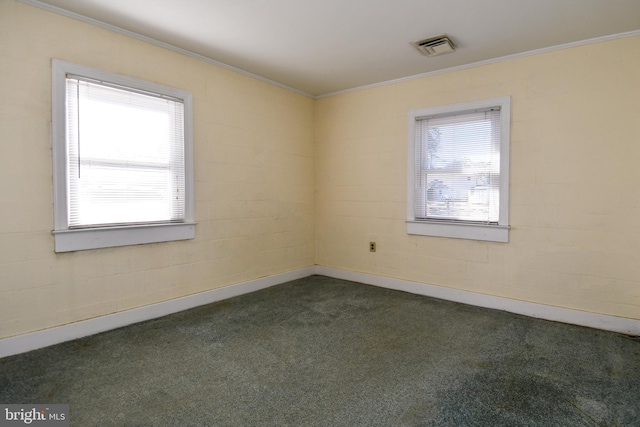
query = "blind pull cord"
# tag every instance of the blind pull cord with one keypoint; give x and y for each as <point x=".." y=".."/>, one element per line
<point x="78" y="121"/>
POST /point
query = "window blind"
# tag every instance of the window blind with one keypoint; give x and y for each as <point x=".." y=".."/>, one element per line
<point x="457" y="170"/>
<point x="125" y="156"/>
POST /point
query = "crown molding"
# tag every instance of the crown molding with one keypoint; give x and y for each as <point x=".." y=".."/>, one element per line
<point x="156" y="42"/>
<point x="487" y="62"/>
<point x="115" y="28"/>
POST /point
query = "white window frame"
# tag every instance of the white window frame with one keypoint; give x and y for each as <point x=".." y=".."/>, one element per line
<point x="67" y="239"/>
<point x="458" y="229"/>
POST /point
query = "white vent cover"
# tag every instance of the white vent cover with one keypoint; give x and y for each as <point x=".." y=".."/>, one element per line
<point x="434" y="45"/>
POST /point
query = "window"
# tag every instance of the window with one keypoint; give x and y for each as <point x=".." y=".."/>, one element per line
<point x="458" y="178"/>
<point x="122" y="150"/>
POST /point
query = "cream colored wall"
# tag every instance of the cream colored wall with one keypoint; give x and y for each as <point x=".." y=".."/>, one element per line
<point x="575" y="181"/>
<point x="575" y="193"/>
<point x="254" y="169"/>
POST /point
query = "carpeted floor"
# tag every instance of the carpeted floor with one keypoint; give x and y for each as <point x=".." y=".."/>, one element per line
<point x="326" y="352"/>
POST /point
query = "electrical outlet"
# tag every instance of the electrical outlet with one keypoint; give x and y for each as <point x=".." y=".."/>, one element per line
<point x="372" y="246"/>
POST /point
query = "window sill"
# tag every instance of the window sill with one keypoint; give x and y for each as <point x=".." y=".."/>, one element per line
<point x="489" y="233"/>
<point x="108" y="237"/>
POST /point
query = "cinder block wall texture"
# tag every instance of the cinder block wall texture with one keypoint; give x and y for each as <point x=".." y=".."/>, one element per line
<point x="285" y="182"/>
<point x="574" y="190"/>
<point x="254" y="179"/>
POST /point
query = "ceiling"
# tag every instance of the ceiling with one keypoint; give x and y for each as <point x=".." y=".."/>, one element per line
<point x="322" y="47"/>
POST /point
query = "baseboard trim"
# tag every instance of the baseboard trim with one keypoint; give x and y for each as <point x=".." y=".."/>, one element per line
<point x="46" y="337"/>
<point x="541" y="311"/>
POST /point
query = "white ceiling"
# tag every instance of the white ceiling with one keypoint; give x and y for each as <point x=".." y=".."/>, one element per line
<point x="321" y="47"/>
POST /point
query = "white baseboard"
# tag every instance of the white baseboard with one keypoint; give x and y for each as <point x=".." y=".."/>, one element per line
<point x="541" y="311"/>
<point x="39" y="339"/>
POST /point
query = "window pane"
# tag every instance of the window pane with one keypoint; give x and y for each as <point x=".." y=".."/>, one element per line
<point x="117" y="195"/>
<point x="125" y="156"/>
<point x="459" y="167"/>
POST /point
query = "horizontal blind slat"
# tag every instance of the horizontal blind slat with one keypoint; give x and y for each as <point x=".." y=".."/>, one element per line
<point x="125" y="156"/>
<point x="458" y="168"/>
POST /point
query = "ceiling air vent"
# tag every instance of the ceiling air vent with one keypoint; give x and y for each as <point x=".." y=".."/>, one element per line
<point x="434" y="46"/>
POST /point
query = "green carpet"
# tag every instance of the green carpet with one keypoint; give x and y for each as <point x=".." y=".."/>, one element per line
<point x="327" y="352"/>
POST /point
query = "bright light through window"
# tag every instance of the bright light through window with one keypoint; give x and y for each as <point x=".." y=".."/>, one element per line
<point x="126" y="161"/>
<point x="122" y="160"/>
<point x="458" y="170"/>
